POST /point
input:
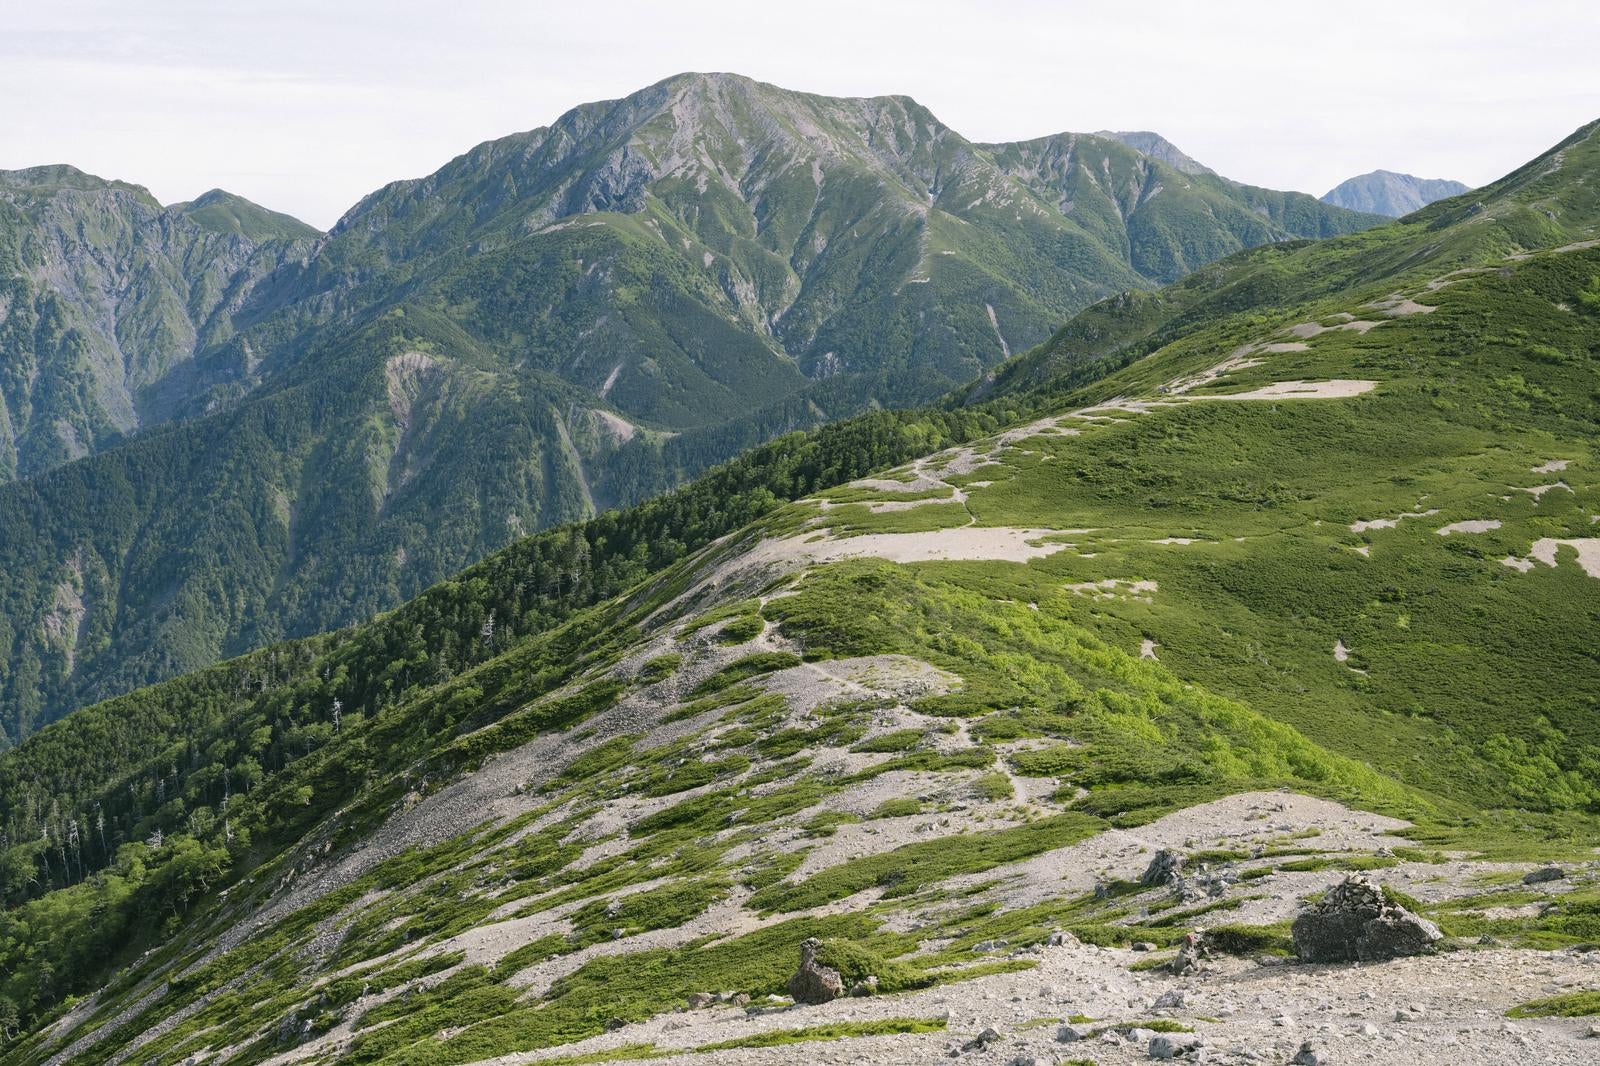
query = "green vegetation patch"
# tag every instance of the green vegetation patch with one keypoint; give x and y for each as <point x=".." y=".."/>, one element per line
<point x="1571" y="1005"/>
<point x="912" y="867"/>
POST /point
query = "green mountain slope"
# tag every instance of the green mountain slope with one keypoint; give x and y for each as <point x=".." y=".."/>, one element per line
<point x="1341" y="545"/>
<point x="555" y="323"/>
<point x="116" y="313"/>
<point x="1547" y="203"/>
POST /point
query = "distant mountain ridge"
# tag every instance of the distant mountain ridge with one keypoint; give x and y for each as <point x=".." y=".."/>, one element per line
<point x="305" y="429"/>
<point x="1384" y="192"/>
<point x="114" y="309"/>
<point x="1157" y="147"/>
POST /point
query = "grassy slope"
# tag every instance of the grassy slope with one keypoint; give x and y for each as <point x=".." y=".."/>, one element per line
<point x="1247" y="693"/>
<point x="1471" y="717"/>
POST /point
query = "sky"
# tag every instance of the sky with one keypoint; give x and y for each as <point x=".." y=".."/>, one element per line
<point x="307" y="106"/>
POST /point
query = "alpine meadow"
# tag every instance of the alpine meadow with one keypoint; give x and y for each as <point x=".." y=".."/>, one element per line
<point x="738" y="574"/>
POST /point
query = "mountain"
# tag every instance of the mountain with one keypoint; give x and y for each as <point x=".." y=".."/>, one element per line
<point x="310" y="429"/>
<point x="1547" y="203"/>
<point x="115" y="311"/>
<point x="1383" y="192"/>
<point x="1281" y="574"/>
<point x="1157" y="147"/>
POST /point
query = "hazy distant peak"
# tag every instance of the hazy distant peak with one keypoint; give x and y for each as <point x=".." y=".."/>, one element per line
<point x="1385" y="192"/>
<point x="1157" y="147"/>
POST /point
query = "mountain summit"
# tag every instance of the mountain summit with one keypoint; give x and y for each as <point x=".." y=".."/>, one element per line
<point x="1383" y="192"/>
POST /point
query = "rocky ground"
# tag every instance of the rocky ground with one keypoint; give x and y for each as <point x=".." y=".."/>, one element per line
<point x="1446" y="1008"/>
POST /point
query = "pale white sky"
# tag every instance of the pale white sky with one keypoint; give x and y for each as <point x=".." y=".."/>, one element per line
<point x="306" y="106"/>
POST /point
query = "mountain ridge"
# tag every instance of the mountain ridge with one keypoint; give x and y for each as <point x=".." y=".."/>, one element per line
<point x="601" y="308"/>
<point x="1386" y="192"/>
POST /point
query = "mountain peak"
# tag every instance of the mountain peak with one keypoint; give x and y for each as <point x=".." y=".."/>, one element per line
<point x="50" y="177"/>
<point x="1388" y="192"/>
<point x="225" y="212"/>
<point x="1156" y="146"/>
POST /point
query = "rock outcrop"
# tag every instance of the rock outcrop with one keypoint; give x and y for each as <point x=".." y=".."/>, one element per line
<point x="1165" y="869"/>
<point x="813" y="982"/>
<point x="1353" y="922"/>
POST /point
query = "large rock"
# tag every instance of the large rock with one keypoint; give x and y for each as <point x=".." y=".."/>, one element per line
<point x="1543" y="874"/>
<point x="1354" y="923"/>
<point x="1165" y="869"/>
<point x="813" y="982"/>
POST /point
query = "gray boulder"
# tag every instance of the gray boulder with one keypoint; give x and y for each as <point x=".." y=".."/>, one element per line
<point x="1174" y="1045"/>
<point x="1354" y="923"/>
<point x="1543" y="874"/>
<point x="1191" y="956"/>
<point x="989" y="1036"/>
<point x="1311" y="1054"/>
<point x="1165" y="869"/>
<point x="813" y="982"/>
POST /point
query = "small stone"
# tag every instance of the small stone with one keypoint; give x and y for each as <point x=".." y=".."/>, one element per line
<point x="1593" y="1033"/>
<point x="1062" y="939"/>
<point x="1191" y="953"/>
<point x="982" y="1040"/>
<point x="1368" y="1030"/>
<point x="1543" y="874"/>
<point x="701" y="1000"/>
<point x="984" y="946"/>
<point x="1173" y="1045"/>
<point x="1143" y="945"/>
<point x="1140" y="1036"/>
<point x="1283" y="1021"/>
<point x="1311" y="1054"/>
<point x="1071" y="1034"/>
<point x="1172" y="999"/>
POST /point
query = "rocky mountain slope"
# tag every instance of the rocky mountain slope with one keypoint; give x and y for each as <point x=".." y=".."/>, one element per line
<point x="1052" y="738"/>
<point x="117" y="313"/>
<point x="557" y="322"/>
<point x="1383" y="192"/>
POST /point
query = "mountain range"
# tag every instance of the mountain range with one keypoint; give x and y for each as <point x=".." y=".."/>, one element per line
<point x="222" y="428"/>
<point x="1383" y="192"/>
<point x="1225" y="603"/>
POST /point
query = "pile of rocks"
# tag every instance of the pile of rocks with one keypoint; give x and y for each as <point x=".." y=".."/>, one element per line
<point x="1165" y="869"/>
<point x="1353" y="922"/>
<point x="813" y="982"/>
